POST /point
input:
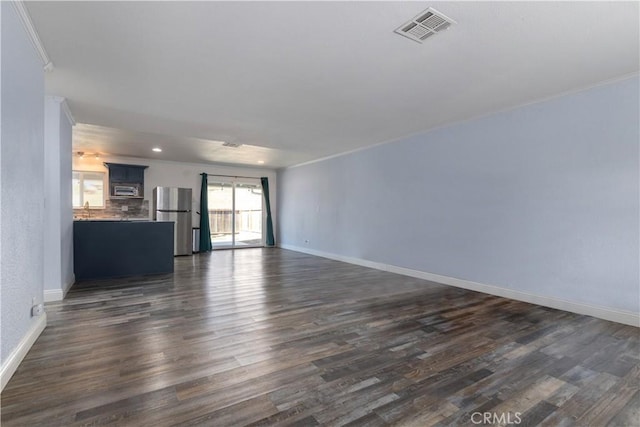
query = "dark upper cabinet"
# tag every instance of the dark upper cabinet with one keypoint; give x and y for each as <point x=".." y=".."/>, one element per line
<point x="136" y="174"/>
<point x="132" y="175"/>
<point x="117" y="174"/>
<point x="129" y="174"/>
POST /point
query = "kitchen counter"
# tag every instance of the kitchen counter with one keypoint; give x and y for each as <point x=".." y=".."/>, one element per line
<point x="112" y="219"/>
<point x="121" y="248"/>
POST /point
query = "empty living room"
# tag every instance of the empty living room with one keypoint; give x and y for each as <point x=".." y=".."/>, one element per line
<point x="320" y="213"/>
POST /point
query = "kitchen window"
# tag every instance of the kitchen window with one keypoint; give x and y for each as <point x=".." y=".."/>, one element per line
<point x="88" y="189"/>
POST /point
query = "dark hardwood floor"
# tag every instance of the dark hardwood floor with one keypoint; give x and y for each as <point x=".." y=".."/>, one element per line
<point x="274" y="337"/>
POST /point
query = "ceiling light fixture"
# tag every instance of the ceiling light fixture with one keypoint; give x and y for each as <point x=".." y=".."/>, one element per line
<point x="261" y="162"/>
<point x="82" y="154"/>
<point x="157" y="150"/>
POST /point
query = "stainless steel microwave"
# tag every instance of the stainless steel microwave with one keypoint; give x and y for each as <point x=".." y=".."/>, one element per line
<point x="125" y="190"/>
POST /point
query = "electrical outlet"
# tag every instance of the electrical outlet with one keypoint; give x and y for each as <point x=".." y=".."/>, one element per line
<point x="125" y="208"/>
<point x="37" y="310"/>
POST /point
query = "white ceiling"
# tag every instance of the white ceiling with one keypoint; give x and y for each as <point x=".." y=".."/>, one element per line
<point x="94" y="139"/>
<point x="296" y="81"/>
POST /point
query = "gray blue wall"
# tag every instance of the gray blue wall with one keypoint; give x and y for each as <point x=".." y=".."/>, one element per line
<point x="22" y="191"/>
<point x="58" y="238"/>
<point x="66" y="202"/>
<point x="542" y="199"/>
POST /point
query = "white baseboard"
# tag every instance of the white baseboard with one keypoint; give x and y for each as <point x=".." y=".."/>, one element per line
<point x="619" y="316"/>
<point x="51" y="295"/>
<point x="11" y="363"/>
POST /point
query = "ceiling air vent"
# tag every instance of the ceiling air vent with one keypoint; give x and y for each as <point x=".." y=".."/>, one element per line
<point x="424" y="25"/>
<point x="230" y="144"/>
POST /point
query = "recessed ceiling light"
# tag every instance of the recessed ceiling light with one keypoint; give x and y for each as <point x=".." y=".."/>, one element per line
<point x="157" y="150"/>
<point x="261" y="161"/>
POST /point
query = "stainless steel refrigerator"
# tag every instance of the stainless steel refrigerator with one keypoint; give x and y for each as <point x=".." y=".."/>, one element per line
<point x="174" y="204"/>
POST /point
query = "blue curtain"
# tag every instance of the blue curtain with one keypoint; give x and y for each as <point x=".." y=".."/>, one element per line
<point x="270" y="240"/>
<point x="205" y="230"/>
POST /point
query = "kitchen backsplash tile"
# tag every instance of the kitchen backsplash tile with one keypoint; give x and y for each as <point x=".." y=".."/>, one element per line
<point x="137" y="208"/>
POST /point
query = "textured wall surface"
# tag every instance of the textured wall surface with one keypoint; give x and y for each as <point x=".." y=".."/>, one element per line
<point x="58" y="267"/>
<point x="1" y="210"/>
<point x="21" y="260"/>
<point x="66" y="210"/>
<point x="52" y="187"/>
<point x="541" y="199"/>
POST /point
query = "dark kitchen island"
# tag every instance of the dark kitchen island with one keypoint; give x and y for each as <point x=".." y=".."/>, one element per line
<point x="109" y="249"/>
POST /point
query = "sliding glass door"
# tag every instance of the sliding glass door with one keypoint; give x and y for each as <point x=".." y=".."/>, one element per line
<point x="221" y="214"/>
<point x="235" y="213"/>
<point x="248" y="215"/>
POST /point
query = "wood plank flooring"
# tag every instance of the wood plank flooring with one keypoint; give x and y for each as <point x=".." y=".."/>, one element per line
<point x="274" y="337"/>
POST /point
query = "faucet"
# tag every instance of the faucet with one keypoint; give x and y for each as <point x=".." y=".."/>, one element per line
<point x="86" y="209"/>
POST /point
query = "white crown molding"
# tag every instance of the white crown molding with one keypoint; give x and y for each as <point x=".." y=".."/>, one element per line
<point x="606" y="313"/>
<point x="65" y="108"/>
<point x="470" y="119"/>
<point x="23" y="14"/>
